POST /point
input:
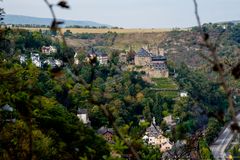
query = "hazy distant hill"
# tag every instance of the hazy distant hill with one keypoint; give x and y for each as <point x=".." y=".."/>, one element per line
<point x="17" y="19"/>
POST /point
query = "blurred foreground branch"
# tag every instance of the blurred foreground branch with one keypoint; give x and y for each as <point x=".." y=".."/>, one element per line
<point x="55" y="27"/>
<point x="215" y="61"/>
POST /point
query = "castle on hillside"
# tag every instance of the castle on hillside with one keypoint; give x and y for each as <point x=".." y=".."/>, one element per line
<point x="153" y="64"/>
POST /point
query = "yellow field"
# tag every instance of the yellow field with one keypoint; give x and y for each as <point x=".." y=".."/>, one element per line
<point x="83" y="30"/>
<point x="86" y="30"/>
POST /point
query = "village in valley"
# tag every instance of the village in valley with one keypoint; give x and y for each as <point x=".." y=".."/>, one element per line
<point x="151" y="62"/>
<point x="128" y="82"/>
<point x="148" y="62"/>
<point x="155" y="91"/>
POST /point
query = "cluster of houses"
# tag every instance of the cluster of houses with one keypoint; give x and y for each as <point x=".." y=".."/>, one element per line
<point x="154" y="66"/>
<point x="153" y="62"/>
<point x="36" y="60"/>
<point x="107" y="133"/>
<point x="153" y="135"/>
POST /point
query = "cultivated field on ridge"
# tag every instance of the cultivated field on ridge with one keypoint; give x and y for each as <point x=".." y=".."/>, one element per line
<point x="90" y="30"/>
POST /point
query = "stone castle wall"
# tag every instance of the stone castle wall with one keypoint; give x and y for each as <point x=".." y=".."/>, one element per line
<point x="153" y="73"/>
<point x="142" y="61"/>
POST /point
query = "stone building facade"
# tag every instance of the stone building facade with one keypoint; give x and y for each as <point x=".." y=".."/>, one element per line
<point x="142" y="58"/>
<point x="154" y="65"/>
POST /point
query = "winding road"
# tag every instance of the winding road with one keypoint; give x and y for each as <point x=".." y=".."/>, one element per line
<point x="225" y="138"/>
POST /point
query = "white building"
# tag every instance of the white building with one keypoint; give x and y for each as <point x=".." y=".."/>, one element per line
<point x="23" y="59"/>
<point x="36" y="59"/>
<point x="49" y="49"/>
<point x="54" y="63"/>
<point x="102" y="58"/>
<point x="82" y="114"/>
<point x="183" y="94"/>
<point x="76" y="60"/>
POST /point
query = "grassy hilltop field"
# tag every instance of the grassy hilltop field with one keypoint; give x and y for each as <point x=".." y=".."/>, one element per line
<point x="99" y="30"/>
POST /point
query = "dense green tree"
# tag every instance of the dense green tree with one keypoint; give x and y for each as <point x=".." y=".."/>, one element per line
<point x="235" y="151"/>
<point x="181" y="108"/>
<point x="157" y="110"/>
<point x="44" y="127"/>
<point x="205" y="152"/>
<point x="213" y="127"/>
<point x="235" y="36"/>
<point x="147" y="113"/>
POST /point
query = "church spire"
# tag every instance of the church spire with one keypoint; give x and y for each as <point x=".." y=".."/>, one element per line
<point x="154" y="121"/>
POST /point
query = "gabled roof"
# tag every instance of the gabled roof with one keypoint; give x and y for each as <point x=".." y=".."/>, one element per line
<point x="153" y="130"/>
<point x="143" y="53"/>
<point x="96" y="52"/>
<point x="82" y="111"/>
<point x="7" y="107"/>
<point x="100" y="53"/>
<point x="104" y="130"/>
<point x="91" y="51"/>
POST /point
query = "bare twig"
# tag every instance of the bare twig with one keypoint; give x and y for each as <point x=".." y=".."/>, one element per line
<point x="51" y="9"/>
<point x="110" y="117"/>
<point x="197" y="16"/>
<point x="55" y="22"/>
<point x="216" y="62"/>
<point x="119" y="134"/>
<point x="105" y="111"/>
